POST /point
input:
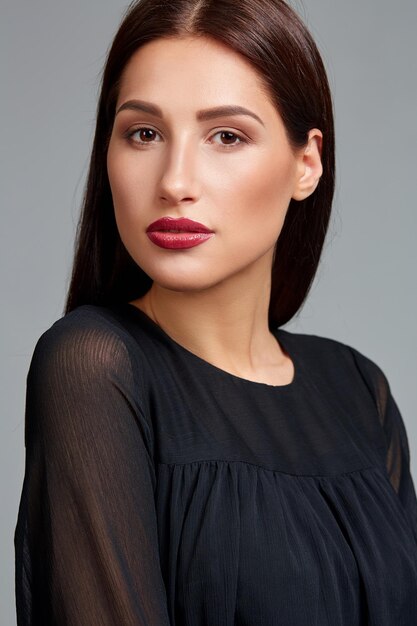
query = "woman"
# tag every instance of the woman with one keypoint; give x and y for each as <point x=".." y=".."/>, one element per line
<point x="188" y="461"/>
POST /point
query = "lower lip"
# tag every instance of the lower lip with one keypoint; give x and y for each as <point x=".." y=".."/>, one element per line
<point x="178" y="240"/>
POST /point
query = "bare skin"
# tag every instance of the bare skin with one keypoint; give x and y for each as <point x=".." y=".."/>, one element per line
<point x="212" y="299"/>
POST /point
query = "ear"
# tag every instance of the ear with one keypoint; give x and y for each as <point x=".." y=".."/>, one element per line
<point x="310" y="167"/>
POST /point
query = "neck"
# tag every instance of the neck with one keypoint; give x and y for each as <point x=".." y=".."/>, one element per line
<point x="226" y="324"/>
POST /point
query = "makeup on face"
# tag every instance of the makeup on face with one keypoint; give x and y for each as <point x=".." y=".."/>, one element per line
<point x="177" y="234"/>
<point x="201" y="181"/>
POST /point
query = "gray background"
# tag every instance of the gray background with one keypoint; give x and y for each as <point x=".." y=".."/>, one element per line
<point x="364" y="294"/>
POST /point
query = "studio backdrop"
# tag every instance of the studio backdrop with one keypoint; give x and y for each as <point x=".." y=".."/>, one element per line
<point x="364" y="293"/>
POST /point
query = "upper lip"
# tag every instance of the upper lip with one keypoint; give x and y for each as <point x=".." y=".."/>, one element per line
<point x="182" y="224"/>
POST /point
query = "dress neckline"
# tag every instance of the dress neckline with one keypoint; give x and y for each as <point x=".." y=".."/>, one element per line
<point x="279" y="335"/>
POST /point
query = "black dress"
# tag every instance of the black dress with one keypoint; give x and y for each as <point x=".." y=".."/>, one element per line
<point x="160" y="489"/>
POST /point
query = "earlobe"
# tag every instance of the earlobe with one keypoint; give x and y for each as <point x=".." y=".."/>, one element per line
<point x="310" y="166"/>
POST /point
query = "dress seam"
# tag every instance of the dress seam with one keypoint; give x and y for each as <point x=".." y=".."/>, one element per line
<point x="269" y="469"/>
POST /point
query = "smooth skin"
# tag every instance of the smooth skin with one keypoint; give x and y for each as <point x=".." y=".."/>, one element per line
<point x="213" y="298"/>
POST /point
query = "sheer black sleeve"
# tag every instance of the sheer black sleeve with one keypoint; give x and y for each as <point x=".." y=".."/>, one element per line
<point x="397" y="458"/>
<point x="86" y="545"/>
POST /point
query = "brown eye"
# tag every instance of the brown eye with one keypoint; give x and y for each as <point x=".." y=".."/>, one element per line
<point x="146" y="135"/>
<point x="228" y="136"/>
<point x="229" y="139"/>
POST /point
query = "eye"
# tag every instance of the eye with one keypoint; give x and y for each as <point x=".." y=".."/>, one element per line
<point x="230" y="136"/>
<point x="146" y="134"/>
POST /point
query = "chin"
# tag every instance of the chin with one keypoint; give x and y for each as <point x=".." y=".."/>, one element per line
<point x="192" y="284"/>
<point x="178" y="272"/>
<point x="181" y="281"/>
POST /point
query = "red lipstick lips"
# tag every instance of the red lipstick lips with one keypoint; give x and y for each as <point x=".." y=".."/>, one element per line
<point x="173" y="233"/>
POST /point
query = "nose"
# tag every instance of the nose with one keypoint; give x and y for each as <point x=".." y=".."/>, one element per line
<point x="178" y="182"/>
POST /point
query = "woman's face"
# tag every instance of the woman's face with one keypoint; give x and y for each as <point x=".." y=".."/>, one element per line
<point x="235" y="174"/>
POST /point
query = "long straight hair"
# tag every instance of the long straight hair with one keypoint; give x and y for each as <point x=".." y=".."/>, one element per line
<point x="270" y="35"/>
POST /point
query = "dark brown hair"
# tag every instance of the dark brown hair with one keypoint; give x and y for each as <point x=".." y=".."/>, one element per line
<point x="270" y="35"/>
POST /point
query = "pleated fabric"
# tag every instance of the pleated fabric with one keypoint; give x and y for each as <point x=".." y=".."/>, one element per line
<point x="161" y="490"/>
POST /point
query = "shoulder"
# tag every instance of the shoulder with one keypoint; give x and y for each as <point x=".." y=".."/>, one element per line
<point x="339" y="358"/>
<point x="321" y="347"/>
<point x="89" y="338"/>
<point x="85" y="370"/>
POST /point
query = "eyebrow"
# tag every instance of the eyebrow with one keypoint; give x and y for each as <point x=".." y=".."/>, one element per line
<point x="201" y="116"/>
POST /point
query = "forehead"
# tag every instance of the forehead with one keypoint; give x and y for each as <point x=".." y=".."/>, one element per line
<point x="192" y="68"/>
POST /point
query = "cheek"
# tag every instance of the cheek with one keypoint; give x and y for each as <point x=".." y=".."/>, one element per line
<point x="262" y="198"/>
<point x="128" y="193"/>
<point x="125" y="196"/>
<point x="118" y="178"/>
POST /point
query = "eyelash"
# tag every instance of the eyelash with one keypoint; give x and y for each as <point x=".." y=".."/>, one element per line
<point x="132" y="132"/>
